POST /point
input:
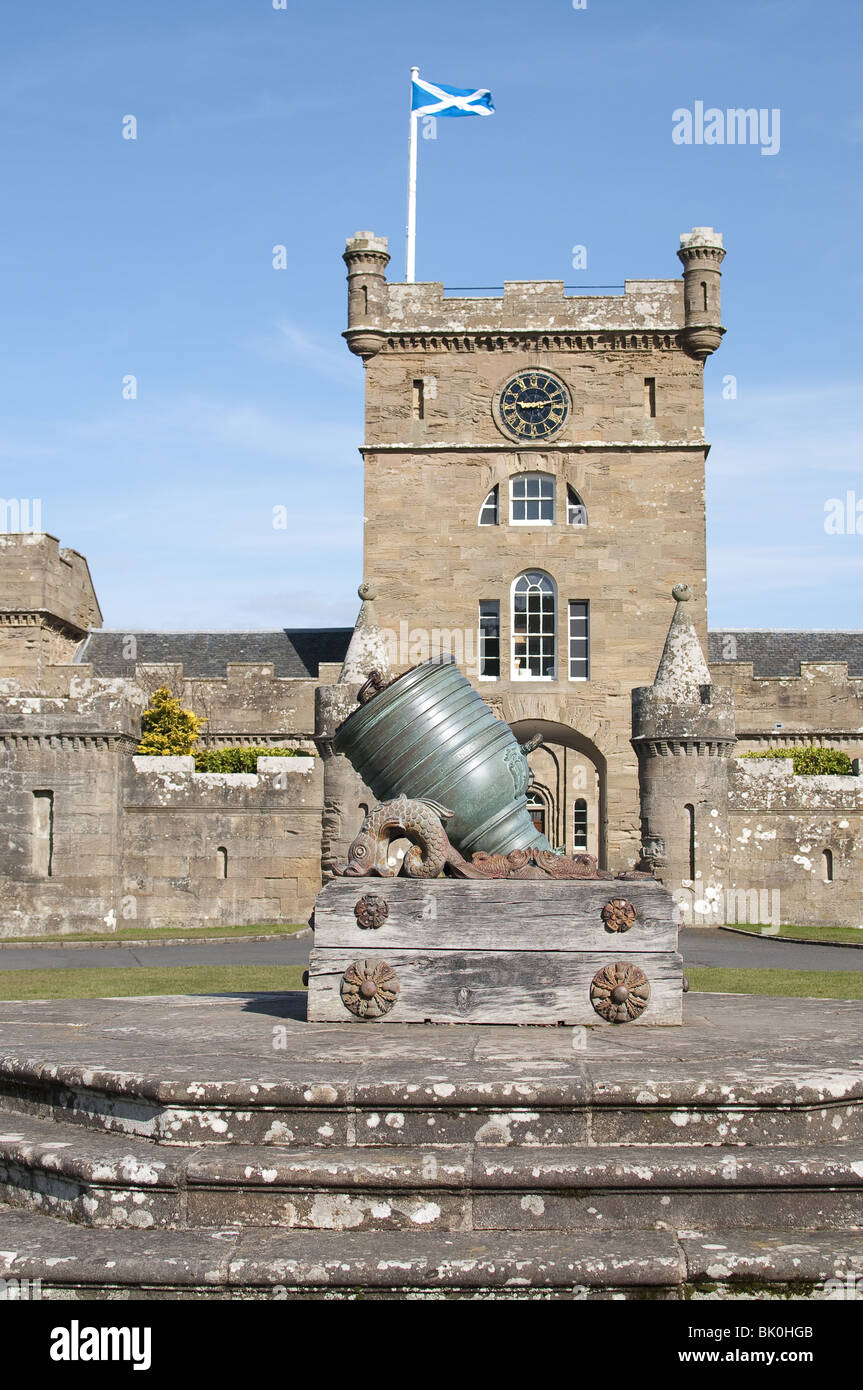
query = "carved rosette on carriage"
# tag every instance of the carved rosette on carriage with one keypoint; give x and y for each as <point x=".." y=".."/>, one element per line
<point x="411" y="930"/>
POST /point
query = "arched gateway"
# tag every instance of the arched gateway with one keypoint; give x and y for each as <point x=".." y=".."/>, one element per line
<point x="569" y="786"/>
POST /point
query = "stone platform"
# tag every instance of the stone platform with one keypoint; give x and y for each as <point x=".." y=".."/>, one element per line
<point x="222" y="1147"/>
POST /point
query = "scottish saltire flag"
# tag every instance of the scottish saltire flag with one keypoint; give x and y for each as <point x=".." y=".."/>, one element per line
<point x="436" y="99"/>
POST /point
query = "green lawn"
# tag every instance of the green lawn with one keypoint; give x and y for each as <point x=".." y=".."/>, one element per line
<point x="161" y="933"/>
<point x="116" y="982"/>
<point x="794" y="984"/>
<point x="238" y="979"/>
<point x="838" y="935"/>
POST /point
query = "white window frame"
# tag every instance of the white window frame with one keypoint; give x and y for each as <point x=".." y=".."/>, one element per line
<point x="481" y="640"/>
<point x="573" y="504"/>
<point x="580" y="804"/>
<point x="570" y="638"/>
<point x="493" y="499"/>
<point x="543" y="479"/>
<point x="533" y="576"/>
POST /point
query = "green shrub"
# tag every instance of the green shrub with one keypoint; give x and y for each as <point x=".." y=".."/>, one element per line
<point x="240" y="759"/>
<point x="810" y="762"/>
<point x="168" y="730"/>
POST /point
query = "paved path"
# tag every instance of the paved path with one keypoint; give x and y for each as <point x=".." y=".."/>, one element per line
<point x="703" y="947"/>
<point x="284" y="951"/>
<point x="698" y="947"/>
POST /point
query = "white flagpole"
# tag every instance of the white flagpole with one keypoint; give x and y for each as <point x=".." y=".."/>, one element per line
<point x="410" y="254"/>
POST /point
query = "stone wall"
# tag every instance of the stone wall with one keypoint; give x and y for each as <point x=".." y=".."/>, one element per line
<point x="780" y="826"/>
<point x="63" y="754"/>
<point x="98" y="838"/>
<point x="248" y="706"/>
<point x="779" y="849"/>
<point x="47" y="602"/>
<point x="218" y="848"/>
<point x="822" y="705"/>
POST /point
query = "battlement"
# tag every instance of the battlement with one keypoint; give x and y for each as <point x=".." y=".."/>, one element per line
<point x="536" y="305"/>
<point x="47" y="601"/>
<point x="823" y="703"/>
<point x="667" y="313"/>
<point x="36" y="576"/>
<point x="69" y="705"/>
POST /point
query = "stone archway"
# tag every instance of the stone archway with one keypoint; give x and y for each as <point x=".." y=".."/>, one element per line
<point x="567" y="767"/>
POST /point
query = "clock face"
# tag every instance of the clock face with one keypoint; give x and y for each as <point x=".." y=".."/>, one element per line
<point x="533" y="405"/>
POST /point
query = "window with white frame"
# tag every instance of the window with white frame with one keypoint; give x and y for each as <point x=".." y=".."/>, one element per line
<point x="576" y="511"/>
<point x="579" y="825"/>
<point x="489" y="639"/>
<point x="534" y="622"/>
<point x="489" y="511"/>
<point x="531" y="499"/>
<point x="579" y="640"/>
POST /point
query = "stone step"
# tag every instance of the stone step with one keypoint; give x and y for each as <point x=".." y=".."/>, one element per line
<point x="45" y="1258"/>
<point x="501" y="1104"/>
<point x="117" y="1181"/>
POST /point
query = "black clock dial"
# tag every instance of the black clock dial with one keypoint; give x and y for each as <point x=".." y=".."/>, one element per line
<point x="533" y="405"/>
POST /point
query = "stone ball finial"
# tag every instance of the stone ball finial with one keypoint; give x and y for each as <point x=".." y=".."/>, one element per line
<point x="682" y="593"/>
<point x="367" y="590"/>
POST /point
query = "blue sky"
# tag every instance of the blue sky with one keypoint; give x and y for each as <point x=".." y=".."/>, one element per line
<point x="259" y="126"/>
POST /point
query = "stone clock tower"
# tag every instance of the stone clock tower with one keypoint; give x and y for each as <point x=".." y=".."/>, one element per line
<point x="534" y="485"/>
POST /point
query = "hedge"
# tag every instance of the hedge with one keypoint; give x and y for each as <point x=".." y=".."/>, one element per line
<point x="241" y="759"/>
<point x="809" y="762"/>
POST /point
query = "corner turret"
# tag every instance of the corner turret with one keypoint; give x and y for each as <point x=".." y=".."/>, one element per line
<point x="702" y="253"/>
<point x="683" y="731"/>
<point x="366" y="257"/>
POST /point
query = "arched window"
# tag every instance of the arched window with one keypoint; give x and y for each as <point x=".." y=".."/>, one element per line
<point x="222" y="861"/>
<point x="579" y="826"/>
<point x="536" y="811"/>
<point x="704" y="294"/>
<point x="531" y="499"/>
<point x="534" y="626"/>
<point x="827" y="865"/>
<point x="489" y="512"/>
<point x="576" y="511"/>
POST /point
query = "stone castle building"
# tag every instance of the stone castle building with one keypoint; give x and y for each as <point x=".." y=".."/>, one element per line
<point x="534" y="488"/>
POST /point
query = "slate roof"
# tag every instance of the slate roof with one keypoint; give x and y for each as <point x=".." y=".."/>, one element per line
<point x="780" y="653"/>
<point x="299" y="651"/>
<point x="290" y="651"/>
